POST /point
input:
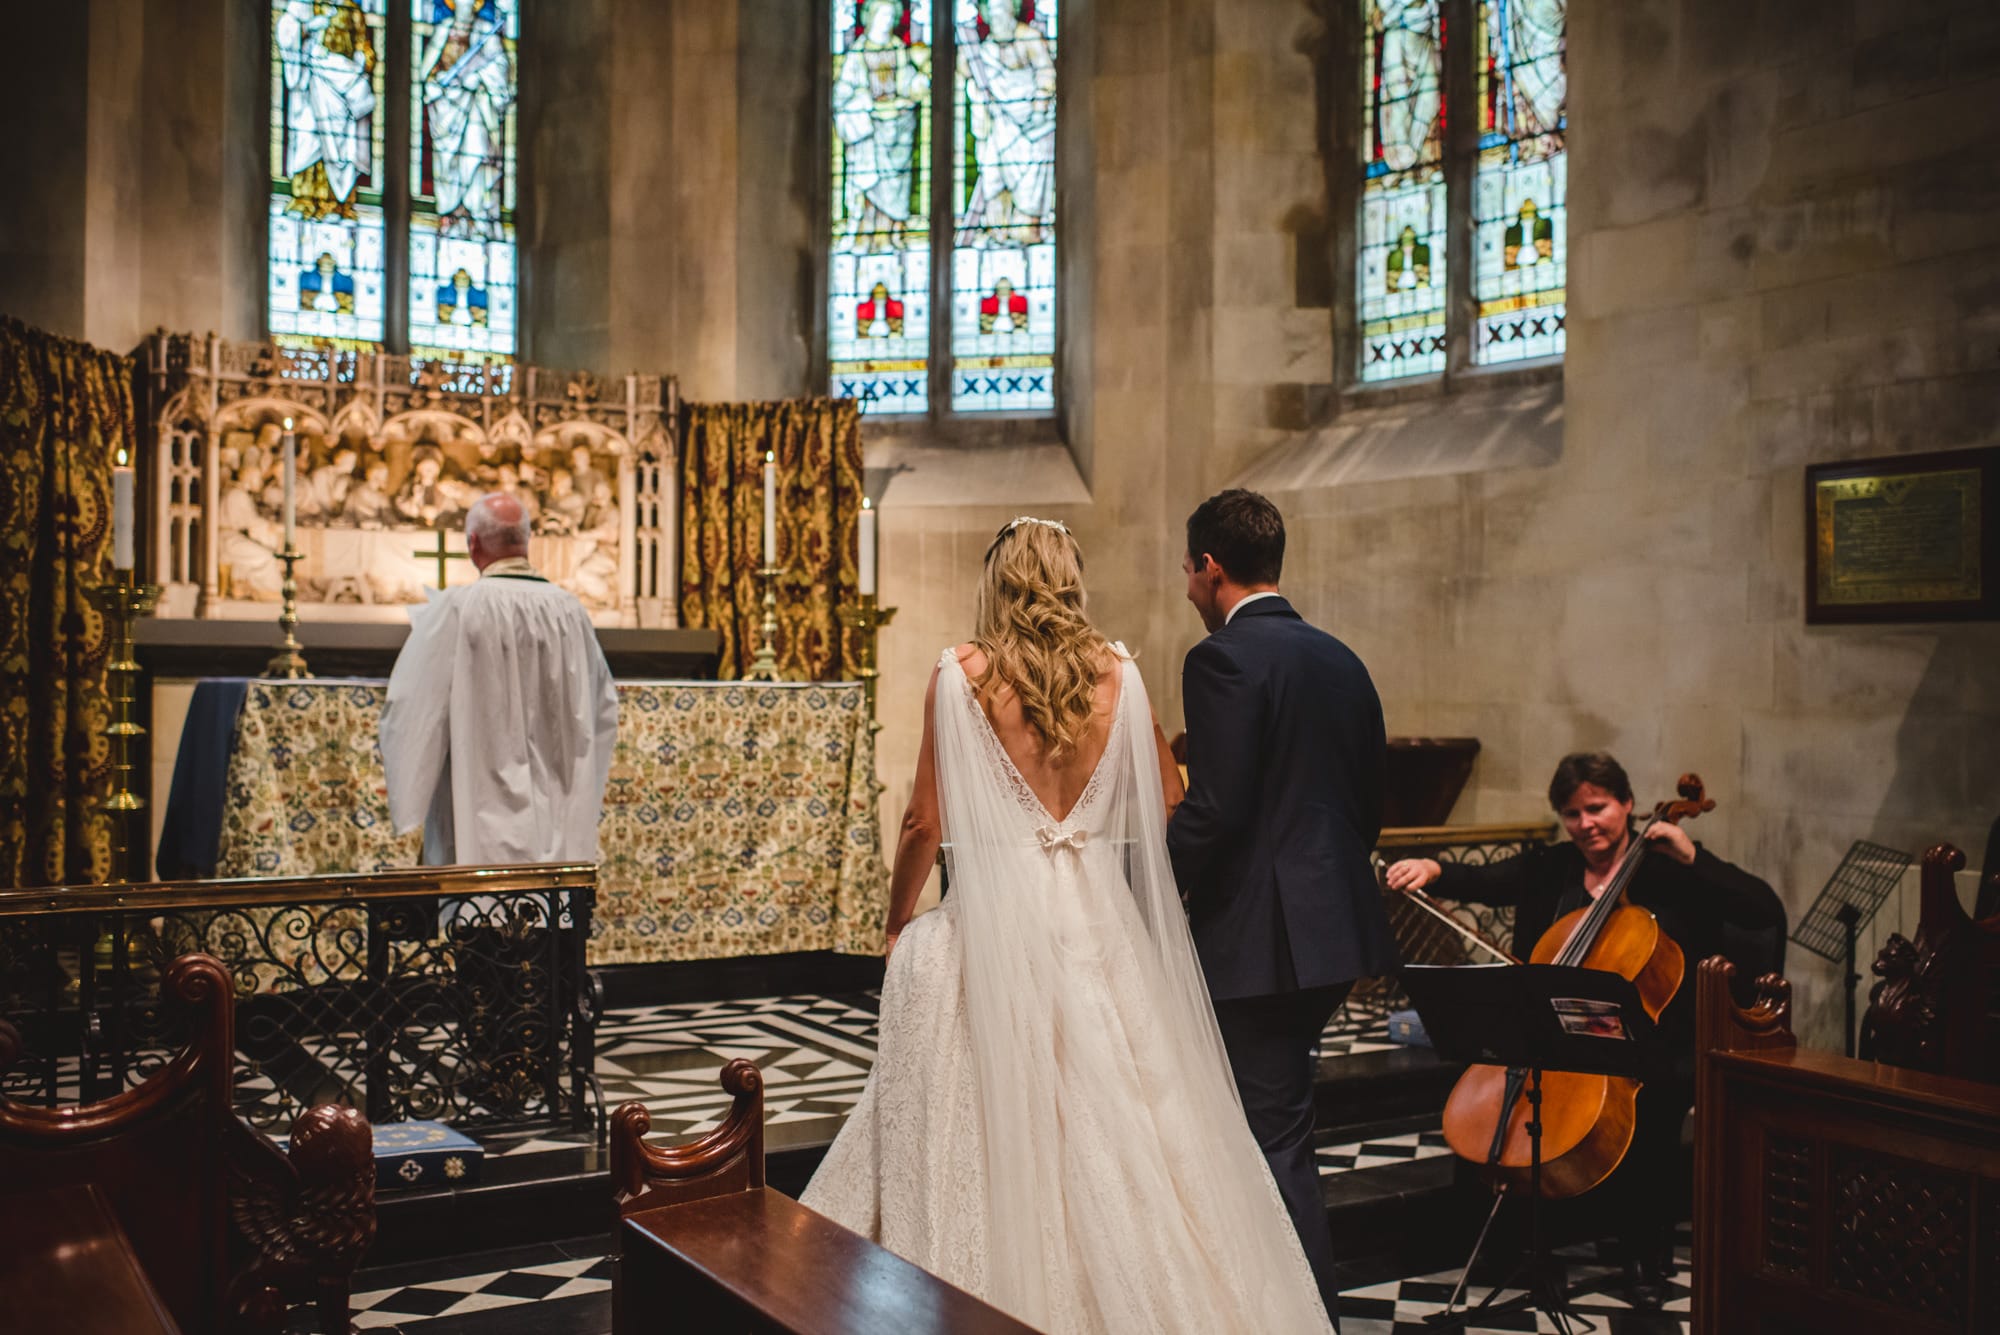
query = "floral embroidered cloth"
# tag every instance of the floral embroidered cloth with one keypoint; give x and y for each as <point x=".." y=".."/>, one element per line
<point x="739" y="819"/>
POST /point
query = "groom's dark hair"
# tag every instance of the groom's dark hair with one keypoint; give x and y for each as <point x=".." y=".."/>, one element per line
<point x="1241" y="530"/>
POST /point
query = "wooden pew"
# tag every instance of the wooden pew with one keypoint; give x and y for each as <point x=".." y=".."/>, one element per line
<point x="222" y="1227"/>
<point x="1937" y="1007"/>
<point x="1834" y="1194"/>
<point x="704" y="1245"/>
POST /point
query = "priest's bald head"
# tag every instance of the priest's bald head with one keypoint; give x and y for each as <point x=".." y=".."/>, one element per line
<point x="496" y="528"/>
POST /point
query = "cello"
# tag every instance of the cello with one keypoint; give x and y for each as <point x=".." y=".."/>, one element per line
<point x="1587" y="1120"/>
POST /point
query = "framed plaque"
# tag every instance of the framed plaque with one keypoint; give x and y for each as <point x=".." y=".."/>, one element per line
<point x="1915" y="538"/>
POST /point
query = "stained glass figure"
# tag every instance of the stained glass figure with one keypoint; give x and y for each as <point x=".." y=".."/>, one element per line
<point x="1520" y="194"/>
<point x="879" y="262"/>
<point x="1003" y="264"/>
<point x="463" y="87"/>
<point x="1402" y="233"/>
<point x="325" y="213"/>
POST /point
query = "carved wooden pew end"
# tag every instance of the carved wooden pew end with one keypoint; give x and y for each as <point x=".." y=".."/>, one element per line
<point x="704" y="1244"/>
<point x="226" y="1226"/>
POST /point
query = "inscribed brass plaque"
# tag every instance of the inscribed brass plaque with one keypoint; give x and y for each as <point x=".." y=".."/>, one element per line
<point x="1899" y="538"/>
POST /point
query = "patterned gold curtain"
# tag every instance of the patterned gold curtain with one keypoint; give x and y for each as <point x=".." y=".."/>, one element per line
<point x="65" y="409"/>
<point x="818" y="444"/>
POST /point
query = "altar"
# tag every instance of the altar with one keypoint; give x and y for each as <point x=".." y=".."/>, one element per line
<point x="739" y="819"/>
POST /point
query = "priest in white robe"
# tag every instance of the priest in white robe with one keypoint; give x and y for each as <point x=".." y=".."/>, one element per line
<point x="498" y="732"/>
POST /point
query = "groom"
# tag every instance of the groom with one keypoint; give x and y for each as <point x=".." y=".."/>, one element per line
<point x="1285" y="752"/>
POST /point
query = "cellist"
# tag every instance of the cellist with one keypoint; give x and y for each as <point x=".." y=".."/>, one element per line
<point x="1692" y="893"/>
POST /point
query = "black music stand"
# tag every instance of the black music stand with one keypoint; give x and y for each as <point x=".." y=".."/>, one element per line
<point x="1849" y="899"/>
<point x="1531" y="1018"/>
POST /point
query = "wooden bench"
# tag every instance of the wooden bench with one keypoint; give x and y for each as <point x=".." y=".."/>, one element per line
<point x="703" y="1241"/>
<point x="66" y="1264"/>
<point x="224" y="1229"/>
<point x="1835" y="1194"/>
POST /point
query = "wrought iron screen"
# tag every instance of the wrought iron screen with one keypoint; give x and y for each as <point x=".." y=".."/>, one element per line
<point x="452" y="995"/>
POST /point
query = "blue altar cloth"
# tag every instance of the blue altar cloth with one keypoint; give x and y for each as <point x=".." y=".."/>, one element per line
<point x="191" y="832"/>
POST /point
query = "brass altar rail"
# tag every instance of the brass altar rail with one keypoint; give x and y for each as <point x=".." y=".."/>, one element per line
<point x="1520" y="834"/>
<point x="250" y="891"/>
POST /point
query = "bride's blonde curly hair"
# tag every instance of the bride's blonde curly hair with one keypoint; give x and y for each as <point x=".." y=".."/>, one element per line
<point x="1031" y="624"/>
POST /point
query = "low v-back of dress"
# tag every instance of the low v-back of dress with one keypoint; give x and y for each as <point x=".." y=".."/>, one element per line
<point x="1051" y="1123"/>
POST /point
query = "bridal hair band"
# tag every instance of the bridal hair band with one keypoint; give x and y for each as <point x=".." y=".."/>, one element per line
<point x="1055" y="524"/>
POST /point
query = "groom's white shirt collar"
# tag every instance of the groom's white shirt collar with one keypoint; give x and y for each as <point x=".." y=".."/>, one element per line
<point x="1245" y="602"/>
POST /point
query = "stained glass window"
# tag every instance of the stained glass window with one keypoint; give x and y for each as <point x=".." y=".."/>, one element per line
<point x="995" y="255"/>
<point x="1520" y="187"/>
<point x="462" y="93"/>
<point x="879" y="262"/>
<point x="1401" y="243"/>
<point x="1003" y="262"/>
<point x="327" y="228"/>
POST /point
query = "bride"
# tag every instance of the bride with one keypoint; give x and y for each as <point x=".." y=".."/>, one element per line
<point x="1051" y="1122"/>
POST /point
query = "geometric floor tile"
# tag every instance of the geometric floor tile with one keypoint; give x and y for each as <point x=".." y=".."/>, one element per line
<point x="406" y="1305"/>
<point x="1380" y="1152"/>
<point x="1404" y="1306"/>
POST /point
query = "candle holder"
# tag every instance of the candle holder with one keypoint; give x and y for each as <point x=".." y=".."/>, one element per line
<point x="290" y="661"/>
<point x="124" y="601"/>
<point x="866" y="619"/>
<point x="765" y="666"/>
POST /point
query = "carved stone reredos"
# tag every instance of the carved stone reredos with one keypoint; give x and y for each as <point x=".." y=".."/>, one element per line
<point x="366" y="424"/>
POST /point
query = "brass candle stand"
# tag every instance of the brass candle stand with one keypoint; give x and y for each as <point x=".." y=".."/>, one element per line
<point x="124" y="601"/>
<point x="290" y="660"/>
<point x="765" y="666"/>
<point x="866" y="619"/>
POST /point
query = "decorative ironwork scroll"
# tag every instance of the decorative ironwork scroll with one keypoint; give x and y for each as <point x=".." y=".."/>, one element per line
<point x="443" y="996"/>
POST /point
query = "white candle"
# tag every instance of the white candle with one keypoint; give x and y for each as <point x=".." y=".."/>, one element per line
<point x="770" y="508"/>
<point x="121" y="514"/>
<point x="867" y="547"/>
<point x="291" y="480"/>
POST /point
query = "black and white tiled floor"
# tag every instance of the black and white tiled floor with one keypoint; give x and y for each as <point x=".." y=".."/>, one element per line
<point x="815" y="1052"/>
<point x="565" y="1289"/>
<point x="552" y="1288"/>
<point x="1404" y="1305"/>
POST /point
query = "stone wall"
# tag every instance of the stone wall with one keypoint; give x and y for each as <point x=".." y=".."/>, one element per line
<point x="135" y="156"/>
<point x="1782" y="251"/>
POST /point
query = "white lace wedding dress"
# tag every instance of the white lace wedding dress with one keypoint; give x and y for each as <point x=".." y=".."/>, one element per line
<point x="1051" y="1123"/>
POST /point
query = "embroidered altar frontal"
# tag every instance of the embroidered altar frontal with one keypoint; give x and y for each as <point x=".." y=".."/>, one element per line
<point x="739" y="819"/>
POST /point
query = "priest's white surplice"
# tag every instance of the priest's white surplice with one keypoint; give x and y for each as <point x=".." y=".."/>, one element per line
<point x="501" y="717"/>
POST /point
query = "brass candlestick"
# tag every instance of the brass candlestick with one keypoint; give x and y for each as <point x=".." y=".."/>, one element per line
<point x="765" y="666"/>
<point x="289" y="661"/>
<point x="124" y="601"/>
<point x="867" y="618"/>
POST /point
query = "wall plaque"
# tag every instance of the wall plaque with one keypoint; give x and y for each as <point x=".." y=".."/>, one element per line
<point x="1904" y="539"/>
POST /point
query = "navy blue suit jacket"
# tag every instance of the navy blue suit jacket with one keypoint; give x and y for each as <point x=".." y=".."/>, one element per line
<point x="1285" y="755"/>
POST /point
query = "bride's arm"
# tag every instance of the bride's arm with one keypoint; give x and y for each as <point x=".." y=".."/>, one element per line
<point x="917" y="845"/>
<point x="1170" y="770"/>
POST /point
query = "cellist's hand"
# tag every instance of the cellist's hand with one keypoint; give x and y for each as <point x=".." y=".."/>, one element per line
<point x="1669" y="838"/>
<point x="1412" y="874"/>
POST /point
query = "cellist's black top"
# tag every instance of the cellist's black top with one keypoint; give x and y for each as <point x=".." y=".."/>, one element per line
<point x="1691" y="902"/>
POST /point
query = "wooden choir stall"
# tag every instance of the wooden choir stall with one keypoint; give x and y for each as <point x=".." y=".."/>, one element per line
<point x="1838" y="1194"/>
<point x="159" y="1210"/>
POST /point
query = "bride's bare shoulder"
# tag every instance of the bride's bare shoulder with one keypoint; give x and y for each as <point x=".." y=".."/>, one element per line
<point x="972" y="658"/>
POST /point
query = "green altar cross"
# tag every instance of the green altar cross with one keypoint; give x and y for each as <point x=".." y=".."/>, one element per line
<point x="441" y="555"/>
